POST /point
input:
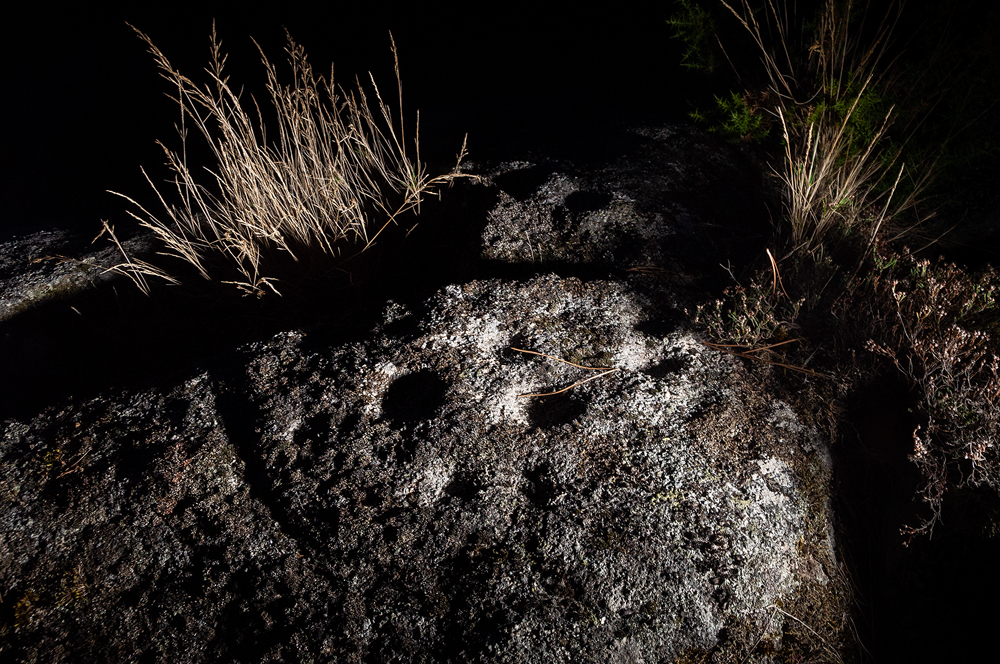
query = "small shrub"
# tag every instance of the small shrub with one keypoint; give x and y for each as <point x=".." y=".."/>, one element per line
<point x="740" y="122"/>
<point x="937" y="332"/>
<point x="695" y="28"/>
<point x="749" y="317"/>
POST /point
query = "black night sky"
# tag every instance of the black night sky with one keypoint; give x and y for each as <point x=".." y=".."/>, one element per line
<point x="84" y="103"/>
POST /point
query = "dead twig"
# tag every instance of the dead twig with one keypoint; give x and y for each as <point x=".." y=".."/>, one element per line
<point x="776" y="280"/>
<point x="748" y="354"/>
<point x="75" y="467"/>
<point x="604" y="372"/>
<point x="826" y="646"/>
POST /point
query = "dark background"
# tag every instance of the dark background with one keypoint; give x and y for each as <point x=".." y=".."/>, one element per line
<point x="84" y="103"/>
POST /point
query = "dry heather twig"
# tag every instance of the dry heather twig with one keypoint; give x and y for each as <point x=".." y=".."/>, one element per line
<point x="940" y="337"/>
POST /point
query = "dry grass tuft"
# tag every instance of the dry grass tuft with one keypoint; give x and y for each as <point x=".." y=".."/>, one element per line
<point x="838" y="169"/>
<point x="335" y="174"/>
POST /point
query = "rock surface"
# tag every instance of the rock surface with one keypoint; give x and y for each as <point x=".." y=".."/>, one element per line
<point x="403" y="494"/>
<point x="53" y="265"/>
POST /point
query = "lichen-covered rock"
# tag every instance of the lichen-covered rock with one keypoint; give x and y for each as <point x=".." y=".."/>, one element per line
<point x="399" y="498"/>
<point x="52" y="265"/>
<point x="522" y="457"/>
<point x="675" y="203"/>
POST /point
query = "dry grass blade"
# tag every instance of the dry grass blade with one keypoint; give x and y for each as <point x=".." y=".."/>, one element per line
<point x="750" y="354"/>
<point x="826" y="646"/>
<point x="135" y="269"/>
<point x="336" y="174"/>
<point x="566" y="389"/>
<point x="604" y="371"/>
<point x="579" y="366"/>
<point x="776" y="276"/>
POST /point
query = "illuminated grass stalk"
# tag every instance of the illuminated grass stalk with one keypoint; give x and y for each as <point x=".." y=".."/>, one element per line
<point x="834" y="167"/>
<point x="337" y="173"/>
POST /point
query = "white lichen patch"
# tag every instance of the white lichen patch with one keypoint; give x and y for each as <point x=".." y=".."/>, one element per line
<point x="783" y="417"/>
<point x="638" y="352"/>
<point x="508" y="406"/>
<point x="777" y="470"/>
<point x="433" y="479"/>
